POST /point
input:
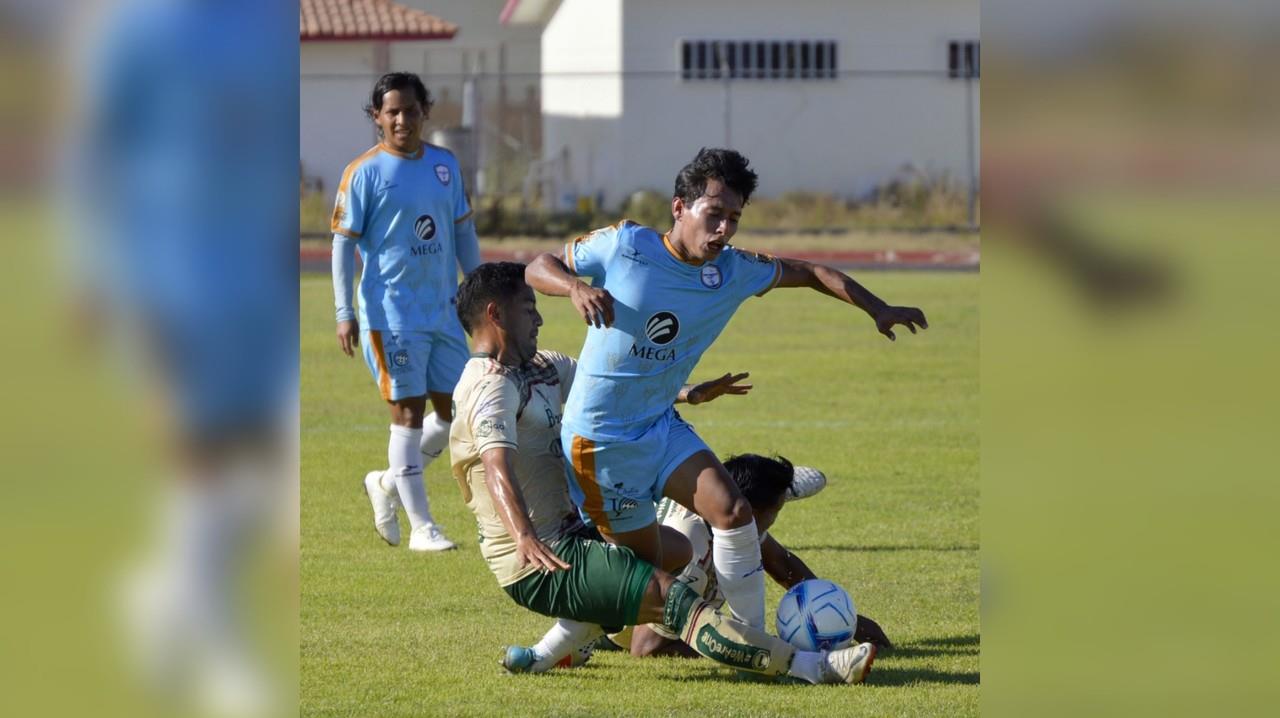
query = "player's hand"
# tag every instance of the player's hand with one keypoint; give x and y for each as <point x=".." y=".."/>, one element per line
<point x="708" y="390"/>
<point x="531" y="551"/>
<point x="595" y="305"/>
<point x="868" y="631"/>
<point x="348" y="336"/>
<point x="908" y="317"/>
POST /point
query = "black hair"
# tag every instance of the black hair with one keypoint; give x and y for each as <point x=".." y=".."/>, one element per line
<point x="398" y="81"/>
<point x="728" y="166"/>
<point x="490" y="282"/>
<point x="762" y="480"/>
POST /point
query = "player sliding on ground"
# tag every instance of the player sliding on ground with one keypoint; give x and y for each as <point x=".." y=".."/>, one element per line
<point x="655" y="304"/>
<point x="506" y="458"/>
<point x="768" y="483"/>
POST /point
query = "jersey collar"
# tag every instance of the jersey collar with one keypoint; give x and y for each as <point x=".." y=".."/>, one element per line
<point x="666" y="242"/>
<point x="422" y="148"/>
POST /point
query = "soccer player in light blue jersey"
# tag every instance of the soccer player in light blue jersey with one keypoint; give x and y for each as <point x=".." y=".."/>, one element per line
<point x="654" y="305"/>
<point x="403" y="206"/>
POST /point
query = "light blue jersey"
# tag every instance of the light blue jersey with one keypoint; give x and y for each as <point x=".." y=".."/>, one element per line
<point x="404" y="213"/>
<point x="667" y="312"/>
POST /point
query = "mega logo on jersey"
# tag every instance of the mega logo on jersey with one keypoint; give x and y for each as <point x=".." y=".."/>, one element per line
<point x="662" y="328"/>
<point x="425" y="227"/>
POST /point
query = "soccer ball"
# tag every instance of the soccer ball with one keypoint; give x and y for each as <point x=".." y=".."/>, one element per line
<point x="817" y="615"/>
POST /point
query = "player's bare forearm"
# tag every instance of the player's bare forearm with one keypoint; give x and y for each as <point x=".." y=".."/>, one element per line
<point x="709" y="390"/>
<point x="831" y="282"/>
<point x="499" y="475"/>
<point x="783" y="566"/>
<point x="549" y="275"/>
<point x="834" y="283"/>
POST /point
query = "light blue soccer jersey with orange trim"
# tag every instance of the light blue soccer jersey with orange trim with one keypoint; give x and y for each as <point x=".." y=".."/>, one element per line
<point x="403" y="212"/>
<point x="667" y="312"/>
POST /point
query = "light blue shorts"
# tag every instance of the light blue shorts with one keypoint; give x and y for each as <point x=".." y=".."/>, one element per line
<point x="409" y="364"/>
<point x="616" y="483"/>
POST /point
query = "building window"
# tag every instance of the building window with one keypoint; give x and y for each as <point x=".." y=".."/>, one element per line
<point x="964" y="59"/>
<point x="758" y="60"/>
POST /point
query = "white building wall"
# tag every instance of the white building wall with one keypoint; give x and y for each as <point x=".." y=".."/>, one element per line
<point x="841" y="136"/>
<point x="334" y="84"/>
<point x="582" y="103"/>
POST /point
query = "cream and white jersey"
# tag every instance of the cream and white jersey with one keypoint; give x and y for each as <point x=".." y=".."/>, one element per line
<point x="518" y="408"/>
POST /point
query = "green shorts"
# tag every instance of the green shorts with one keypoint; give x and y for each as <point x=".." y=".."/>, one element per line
<point x="605" y="585"/>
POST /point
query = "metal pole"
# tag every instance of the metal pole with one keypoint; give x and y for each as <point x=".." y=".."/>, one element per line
<point x="723" y="61"/>
<point x="972" y="141"/>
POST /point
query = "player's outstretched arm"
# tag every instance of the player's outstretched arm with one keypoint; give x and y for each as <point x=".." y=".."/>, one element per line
<point x="834" y="283"/>
<point x="708" y="390"/>
<point x="499" y="478"/>
<point x="783" y="566"/>
<point x="549" y="275"/>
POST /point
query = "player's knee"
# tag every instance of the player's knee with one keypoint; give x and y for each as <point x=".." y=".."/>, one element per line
<point x="735" y="515"/>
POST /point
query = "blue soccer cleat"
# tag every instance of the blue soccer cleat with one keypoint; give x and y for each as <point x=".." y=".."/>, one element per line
<point x="518" y="659"/>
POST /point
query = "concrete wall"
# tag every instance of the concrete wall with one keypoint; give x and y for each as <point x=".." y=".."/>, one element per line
<point x="582" y="90"/>
<point x="333" y="85"/>
<point x="842" y="136"/>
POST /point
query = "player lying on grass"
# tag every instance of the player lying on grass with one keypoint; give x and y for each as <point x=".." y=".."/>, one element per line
<point x="505" y="451"/>
<point x="654" y="304"/>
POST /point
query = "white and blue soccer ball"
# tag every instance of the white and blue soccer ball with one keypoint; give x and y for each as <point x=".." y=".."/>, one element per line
<point x="817" y="615"/>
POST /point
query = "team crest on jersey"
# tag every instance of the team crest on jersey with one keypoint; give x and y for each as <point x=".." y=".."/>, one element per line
<point x="662" y="328"/>
<point x="425" y="227"/>
<point x="443" y="174"/>
<point x="400" y="358"/>
<point x="711" y="277"/>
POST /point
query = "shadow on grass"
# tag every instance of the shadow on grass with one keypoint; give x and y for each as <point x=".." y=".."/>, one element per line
<point x="876" y="549"/>
<point x="943" y="646"/>
<point x="890" y="676"/>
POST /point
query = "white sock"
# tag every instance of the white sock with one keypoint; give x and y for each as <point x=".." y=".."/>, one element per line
<point x="405" y="461"/>
<point x="807" y="665"/>
<point x="564" y="638"/>
<point x="740" y="571"/>
<point x="435" y="437"/>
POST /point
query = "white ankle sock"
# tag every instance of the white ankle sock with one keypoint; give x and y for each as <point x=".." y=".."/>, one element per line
<point x="405" y="461"/>
<point x="564" y="637"/>
<point x="807" y="666"/>
<point x="740" y="571"/>
<point x="435" y="437"/>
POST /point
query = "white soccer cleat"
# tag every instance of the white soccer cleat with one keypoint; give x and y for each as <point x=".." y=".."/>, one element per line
<point x="807" y="482"/>
<point x="385" y="504"/>
<point x="848" y="665"/>
<point x="429" y="538"/>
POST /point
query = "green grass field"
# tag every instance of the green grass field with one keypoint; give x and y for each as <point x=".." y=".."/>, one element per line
<point x="386" y="632"/>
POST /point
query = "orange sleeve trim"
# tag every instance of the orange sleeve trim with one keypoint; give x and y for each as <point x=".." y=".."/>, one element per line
<point x="568" y="253"/>
<point x="584" y="469"/>
<point x="380" y="356"/>
<point x="345" y="184"/>
<point x="777" y="277"/>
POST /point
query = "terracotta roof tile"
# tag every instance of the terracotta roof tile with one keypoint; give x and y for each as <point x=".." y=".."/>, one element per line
<point x="321" y="20"/>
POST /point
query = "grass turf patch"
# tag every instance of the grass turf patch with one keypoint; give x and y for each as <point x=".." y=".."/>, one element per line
<point x="386" y="632"/>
